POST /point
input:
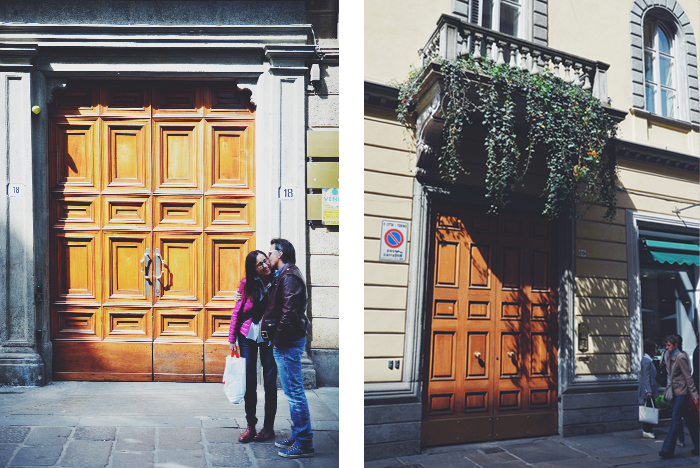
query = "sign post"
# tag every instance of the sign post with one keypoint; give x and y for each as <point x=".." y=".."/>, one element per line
<point x="392" y="246"/>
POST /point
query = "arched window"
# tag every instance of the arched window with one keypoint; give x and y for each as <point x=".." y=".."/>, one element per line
<point x="663" y="61"/>
<point x="660" y="75"/>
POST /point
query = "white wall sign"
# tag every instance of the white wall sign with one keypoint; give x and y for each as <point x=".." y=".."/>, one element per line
<point x="287" y="193"/>
<point x="15" y="190"/>
<point x="392" y="245"/>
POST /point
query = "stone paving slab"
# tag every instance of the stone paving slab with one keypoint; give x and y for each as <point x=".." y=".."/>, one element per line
<point x="48" y="436"/>
<point x="132" y="424"/>
<point x="544" y="451"/>
<point x="624" y="449"/>
<point x="87" y="454"/>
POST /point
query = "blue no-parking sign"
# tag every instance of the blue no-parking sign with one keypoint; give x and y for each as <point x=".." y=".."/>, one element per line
<point x="393" y="242"/>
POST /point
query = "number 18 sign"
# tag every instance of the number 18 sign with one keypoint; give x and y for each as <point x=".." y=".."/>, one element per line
<point x="392" y="245"/>
<point x="15" y="190"/>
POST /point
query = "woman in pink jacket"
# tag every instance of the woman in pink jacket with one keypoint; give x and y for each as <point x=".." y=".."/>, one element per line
<point x="245" y="327"/>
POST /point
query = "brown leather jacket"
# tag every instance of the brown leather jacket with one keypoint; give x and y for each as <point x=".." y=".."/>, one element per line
<point x="285" y="316"/>
<point x="681" y="381"/>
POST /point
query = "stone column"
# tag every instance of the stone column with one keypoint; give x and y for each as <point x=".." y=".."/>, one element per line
<point x="20" y="363"/>
<point x="281" y="156"/>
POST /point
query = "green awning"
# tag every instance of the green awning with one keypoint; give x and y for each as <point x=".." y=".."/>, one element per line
<point x="674" y="252"/>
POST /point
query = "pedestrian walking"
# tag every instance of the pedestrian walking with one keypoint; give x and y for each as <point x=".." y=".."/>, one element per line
<point x="648" y="388"/>
<point x="285" y="324"/>
<point x="682" y="389"/>
<point x="245" y="328"/>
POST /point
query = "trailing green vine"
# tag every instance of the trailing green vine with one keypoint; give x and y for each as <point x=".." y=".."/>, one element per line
<point x="566" y="125"/>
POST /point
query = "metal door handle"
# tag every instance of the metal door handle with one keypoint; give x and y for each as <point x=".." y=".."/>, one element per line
<point x="147" y="271"/>
<point x="477" y="355"/>
<point x="511" y="354"/>
<point x="147" y="259"/>
<point x="159" y="272"/>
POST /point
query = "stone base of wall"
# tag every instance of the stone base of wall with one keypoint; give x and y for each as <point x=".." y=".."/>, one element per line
<point x="392" y="430"/>
<point x="22" y="369"/>
<point x="598" y="413"/>
<point x="326" y="363"/>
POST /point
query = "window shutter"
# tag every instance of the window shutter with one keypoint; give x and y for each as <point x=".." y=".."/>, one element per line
<point x="476" y="6"/>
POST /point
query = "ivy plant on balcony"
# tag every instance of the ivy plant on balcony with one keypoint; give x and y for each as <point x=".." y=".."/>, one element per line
<point x="565" y="124"/>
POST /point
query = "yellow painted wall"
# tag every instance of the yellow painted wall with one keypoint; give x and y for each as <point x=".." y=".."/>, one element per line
<point x="594" y="29"/>
<point x="582" y="28"/>
<point x="394" y="31"/>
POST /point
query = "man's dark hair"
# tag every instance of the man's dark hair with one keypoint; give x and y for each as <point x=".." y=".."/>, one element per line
<point x="288" y="253"/>
<point x="650" y="348"/>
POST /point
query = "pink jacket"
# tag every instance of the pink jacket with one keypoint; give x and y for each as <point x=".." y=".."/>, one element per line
<point x="245" y="326"/>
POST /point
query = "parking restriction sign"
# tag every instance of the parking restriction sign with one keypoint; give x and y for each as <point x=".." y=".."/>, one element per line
<point x="393" y="242"/>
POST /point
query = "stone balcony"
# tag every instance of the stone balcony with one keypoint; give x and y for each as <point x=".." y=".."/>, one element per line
<point x="455" y="38"/>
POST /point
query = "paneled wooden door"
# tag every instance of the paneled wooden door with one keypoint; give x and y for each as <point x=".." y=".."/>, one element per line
<point x="492" y="335"/>
<point x="152" y="214"/>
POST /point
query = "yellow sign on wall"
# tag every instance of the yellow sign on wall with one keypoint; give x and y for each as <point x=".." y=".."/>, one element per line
<point x="330" y="206"/>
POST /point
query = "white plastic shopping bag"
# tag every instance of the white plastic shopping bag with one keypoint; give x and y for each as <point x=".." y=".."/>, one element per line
<point x="234" y="378"/>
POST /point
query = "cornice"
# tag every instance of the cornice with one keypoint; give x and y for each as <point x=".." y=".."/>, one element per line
<point x="381" y="96"/>
<point x="657" y="156"/>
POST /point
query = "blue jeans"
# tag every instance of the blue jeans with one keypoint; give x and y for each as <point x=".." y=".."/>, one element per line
<point x="680" y="410"/>
<point x="289" y="365"/>
<point x="249" y="351"/>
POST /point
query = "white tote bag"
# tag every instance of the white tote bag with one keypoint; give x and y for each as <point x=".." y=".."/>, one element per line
<point x="234" y="378"/>
<point x="649" y="414"/>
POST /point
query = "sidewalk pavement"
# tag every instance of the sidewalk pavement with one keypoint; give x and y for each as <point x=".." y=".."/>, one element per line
<point x="624" y="449"/>
<point x="150" y="424"/>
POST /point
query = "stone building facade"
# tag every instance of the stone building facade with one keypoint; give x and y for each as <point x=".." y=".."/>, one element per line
<point x="145" y="146"/>
<point x="613" y="284"/>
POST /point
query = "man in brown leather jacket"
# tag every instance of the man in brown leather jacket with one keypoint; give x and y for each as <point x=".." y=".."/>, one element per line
<point x="284" y="323"/>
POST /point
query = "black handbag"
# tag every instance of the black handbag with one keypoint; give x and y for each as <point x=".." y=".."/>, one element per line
<point x="662" y="374"/>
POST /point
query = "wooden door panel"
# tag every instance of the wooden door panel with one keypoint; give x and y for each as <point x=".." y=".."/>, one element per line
<point x="178" y="156"/>
<point x="177" y="99"/>
<point x="127" y="212"/>
<point x="126" y="155"/>
<point x="122" y="324"/>
<point x="480" y="266"/>
<point x="215" y="360"/>
<point x="216" y="346"/>
<point x="124" y="268"/>
<point x="229" y="213"/>
<point x="78" y="99"/>
<point x="178" y="348"/>
<point x="73" y="150"/>
<point x="126" y="98"/>
<point x="478" y="355"/>
<point x="75" y="323"/>
<point x="75" y="213"/>
<point x="228" y="166"/>
<point x="447" y="264"/>
<point x="181" y="278"/>
<point x="181" y="213"/>
<point x="499" y="314"/>
<point x="128" y="166"/>
<point x="102" y="361"/>
<point x="225" y="98"/>
<point x="225" y="266"/>
<point x="76" y="255"/>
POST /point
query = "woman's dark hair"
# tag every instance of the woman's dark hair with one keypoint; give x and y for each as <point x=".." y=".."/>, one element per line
<point x="288" y="253"/>
<point x="650" y="348"/>
<point x="252" y="287"/>
<point x="676" y="340"/>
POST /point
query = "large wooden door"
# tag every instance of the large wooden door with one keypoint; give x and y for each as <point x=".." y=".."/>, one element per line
<point x="152" y="215"/>
<point x="492" y="347"/>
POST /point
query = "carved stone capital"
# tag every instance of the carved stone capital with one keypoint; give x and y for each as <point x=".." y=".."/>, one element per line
<point x="428" y="129"/>
<point x="52" y="84"/>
